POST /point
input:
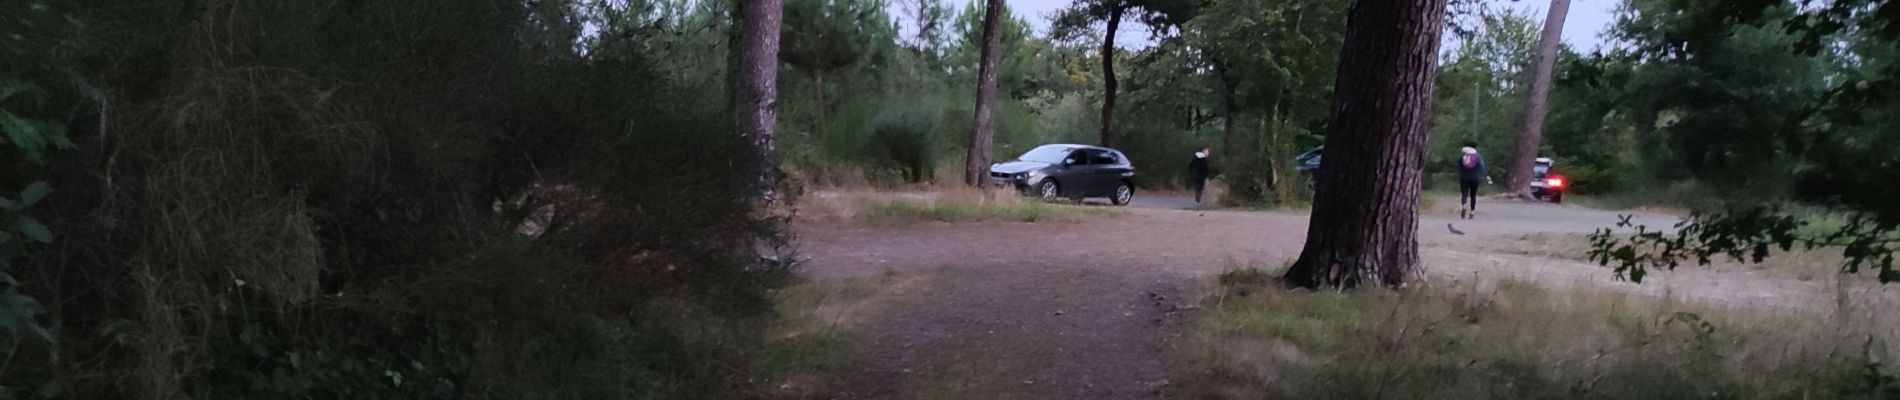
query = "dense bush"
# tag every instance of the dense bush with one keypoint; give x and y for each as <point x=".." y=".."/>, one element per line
<point x="906" y="139"/>
<point x="1160" y="153"/>
<point x="430" y="199"/>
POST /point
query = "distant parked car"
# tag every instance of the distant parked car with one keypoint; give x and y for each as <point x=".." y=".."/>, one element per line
<point x="1070" y="171"/>
<point x="1308" y="162"/>
<point x="1546" y="183"/>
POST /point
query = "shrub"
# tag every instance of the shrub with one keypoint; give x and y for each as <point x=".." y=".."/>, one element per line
<point x="1593" y="178"/>
<point x="906" y="139"/>
<point x="322" y="200"/>
<point x="1160" y="153"/>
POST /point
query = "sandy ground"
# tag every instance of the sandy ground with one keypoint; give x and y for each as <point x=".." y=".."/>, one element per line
<point x="1087" y="310"/>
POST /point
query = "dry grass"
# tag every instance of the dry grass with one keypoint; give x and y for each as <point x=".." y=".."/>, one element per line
<point x="1566" y="246"/>
<point x="808" y="344"/>
<point x="950" y="205"/>
<point x="1801" y="265"/>
<point x="1516" y="340"/>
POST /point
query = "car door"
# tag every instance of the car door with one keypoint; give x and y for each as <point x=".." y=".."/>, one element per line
<point x="1074" y="175"/>
<point x="1114" y="168"/>
<point x="1105" y="171"/>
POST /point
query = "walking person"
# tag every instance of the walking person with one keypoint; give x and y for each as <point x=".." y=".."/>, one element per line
<point x="1197" y="173"/>
<point x="1471" y="173"/>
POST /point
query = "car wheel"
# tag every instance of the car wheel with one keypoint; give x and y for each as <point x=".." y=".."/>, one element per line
<point x="1123" y="194"/>
<point x="1048" y="190"/>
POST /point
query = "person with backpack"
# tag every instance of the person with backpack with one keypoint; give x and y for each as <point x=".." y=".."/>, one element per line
<point x="1471" y="173"/>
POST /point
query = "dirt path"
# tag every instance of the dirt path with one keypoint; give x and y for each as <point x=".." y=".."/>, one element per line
<point x="1033" y="311"/>
<point x="1087" y="310"/>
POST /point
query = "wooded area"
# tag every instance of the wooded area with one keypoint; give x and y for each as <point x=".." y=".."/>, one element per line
<point x="559" y="198"/>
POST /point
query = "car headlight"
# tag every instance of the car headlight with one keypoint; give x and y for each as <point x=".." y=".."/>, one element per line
<point x="1022" y="175"/>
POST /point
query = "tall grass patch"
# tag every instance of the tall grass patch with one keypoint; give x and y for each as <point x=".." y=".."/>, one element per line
<point x="1513" y="340"/>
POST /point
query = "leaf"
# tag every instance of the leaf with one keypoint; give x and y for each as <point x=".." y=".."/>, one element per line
<point x="33" y="193"/>
<point x="1625" y="253"/>
<point x="32" y="229"/>
<point x="17" y="313"/>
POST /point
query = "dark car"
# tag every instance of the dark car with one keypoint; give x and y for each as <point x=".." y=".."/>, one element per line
<point x="1072" y="171"/>
<point x="1308" y="162"/>
<point x="1546" y="184"/>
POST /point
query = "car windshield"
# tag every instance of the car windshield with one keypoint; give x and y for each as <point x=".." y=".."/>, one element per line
<point x="1540" y="170"/>
<point x="1311" y="154"/>
<point x="1046" y="154"/>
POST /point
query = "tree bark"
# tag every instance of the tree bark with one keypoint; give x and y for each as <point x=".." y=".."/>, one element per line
<point x="1276" y="149"/>
<point x="818" y="94"/>
<point x="1364" y="228"/>
<point x="755" y="99"/>
<point x="1108" y="72"/>
<point x="976" y="171"/>
<point x="1535" y="106"/>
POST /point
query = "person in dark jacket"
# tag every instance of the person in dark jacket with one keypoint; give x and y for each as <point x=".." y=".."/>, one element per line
<point x="1471" y="173"/>
<point x="1197" y="173"/>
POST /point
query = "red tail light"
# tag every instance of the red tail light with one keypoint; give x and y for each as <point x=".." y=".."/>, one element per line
<point x="1555" y="182"/>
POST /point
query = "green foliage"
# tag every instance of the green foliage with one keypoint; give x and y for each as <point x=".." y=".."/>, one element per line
<point x="1744" y="103"/>
<point x="1480" y="95"/>
<point x="1266" y="68"/>
<point x="385" y="200"/>
<point x="1158" y="15"/>
<point x="1746" y="235"/>
<point x="1023" y="69"/>
<point x="19" y="232"/>
<point x="28" y="138"/>
<point x="31" y="138"/>
<point x="906" y="139"/>
<point x="932" y="19"/>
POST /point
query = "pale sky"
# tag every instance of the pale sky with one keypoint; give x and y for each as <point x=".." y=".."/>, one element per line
<point x="1586" y="20"/>
<point x="1582" y="28"/>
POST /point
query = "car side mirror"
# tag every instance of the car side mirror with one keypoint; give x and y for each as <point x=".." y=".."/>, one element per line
<point x="1068" y="161"/>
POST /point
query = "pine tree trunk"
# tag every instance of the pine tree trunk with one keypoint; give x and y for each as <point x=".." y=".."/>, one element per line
<point x="1364" y="228"/>
<point x="1108" y="74"/>
<point x="1535" y="106"/>
<point x="976" y="171"/>
<point x="1276" y="150"/>
<point x="755" y="98"/>
<point x="818" y="92"/>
